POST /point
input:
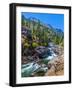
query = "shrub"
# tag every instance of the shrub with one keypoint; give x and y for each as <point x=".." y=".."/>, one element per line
<point x="26" y="45"/>
<point x="34" y="44"/>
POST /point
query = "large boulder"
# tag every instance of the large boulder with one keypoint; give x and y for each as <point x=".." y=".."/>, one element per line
<point x="56" y="66"/>
<point x="42" y="51"/>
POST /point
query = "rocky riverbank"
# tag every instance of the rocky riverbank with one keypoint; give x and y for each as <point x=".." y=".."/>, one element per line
<point x="56" y="66"/>
<point x="43" y="61"/>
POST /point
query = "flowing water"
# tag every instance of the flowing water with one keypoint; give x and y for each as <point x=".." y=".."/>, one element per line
<point x="28" y="69"/>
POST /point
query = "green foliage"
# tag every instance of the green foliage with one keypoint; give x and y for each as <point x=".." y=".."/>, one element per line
<point x="44" y="44"/>
<point x="41" y="34"/>
<point x="34" y="44"/>
<point x="26" y="45"/>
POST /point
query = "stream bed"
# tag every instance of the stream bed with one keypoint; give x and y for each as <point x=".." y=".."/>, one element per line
<point x="34" y="68"/>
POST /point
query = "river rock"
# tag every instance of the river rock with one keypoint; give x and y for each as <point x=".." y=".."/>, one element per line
<point x="58" y="49"/>
<point x="42" y="51"/>
<point x="56" y="66"/>
<point x="27" y="59"/>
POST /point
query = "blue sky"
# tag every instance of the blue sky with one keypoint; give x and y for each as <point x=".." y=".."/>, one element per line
<point x="56" y="20"/>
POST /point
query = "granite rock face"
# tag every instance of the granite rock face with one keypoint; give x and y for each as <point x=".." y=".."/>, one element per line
<point x="56" y="66"/>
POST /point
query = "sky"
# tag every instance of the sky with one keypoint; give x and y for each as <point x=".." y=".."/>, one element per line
<point x="55" y="20"/>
